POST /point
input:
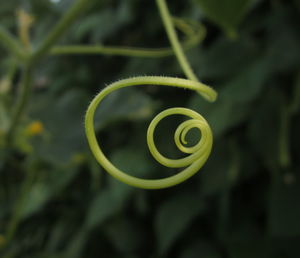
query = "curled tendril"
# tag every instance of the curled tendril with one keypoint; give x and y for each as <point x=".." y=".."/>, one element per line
<point x="199" y="152"/>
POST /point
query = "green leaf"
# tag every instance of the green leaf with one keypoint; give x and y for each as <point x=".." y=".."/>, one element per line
<point x="224" y="58"/>
<point x="112" y="199"/>
<point x="120" y="14"/>
<point x="221" y="115"/>
<point x="247" y="85"/>
<point x="248" y="250"/>
<point x="218" y="175"/>
<point x="122" y="105"/>
<point x="226" y="13"/>
<point x="46" y="189"/>
<point x="263" y="129"/>
<point x="281" y="19"/>
<point x="174" y="217"/>
<point x="62" y="118"/>
<point x="232" y="106"/>
<point x="4" y="119"/>
<point x="77" y="243"/>
<point x="56" y="236"/>
<point x="200" y="248"/>
<point x="285" y="208"/>
<point x="102" y="207"/>
<point x="37" y="197"/>
<point x="125" y="235"/>
<point x="133" y="162"/>
<point x="4" y="124"/>
<point x="246" y="239"/>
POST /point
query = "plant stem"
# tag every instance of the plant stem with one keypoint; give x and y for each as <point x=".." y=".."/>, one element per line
<point x="25" y="89"/>
<point x="120" y="51"/>
<point x="11" y="44"/>
<point x="170" y="29"/>
<point x="295" y="103"/>
<point x="194" y="34"/>
<point x="284" y="148"/>
<point x="16" y="218"/>
<point x="225" y="196"/>
<point x="59" y="29"/>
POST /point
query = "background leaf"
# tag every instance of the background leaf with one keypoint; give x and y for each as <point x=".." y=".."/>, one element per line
<point x="168" y="227"/>
<point x="227" y="14"/>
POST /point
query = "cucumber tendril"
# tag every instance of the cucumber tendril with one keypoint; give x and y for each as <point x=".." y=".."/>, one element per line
<point x="199" y="153"/>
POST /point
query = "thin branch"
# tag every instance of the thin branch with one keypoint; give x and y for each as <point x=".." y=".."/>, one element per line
<point x="59" y="29"/>
<point x="25" y="90"/>
<point x="11" y="44"/>
<point x="119" y="51"/>
<point x="173" y="38"/>
<point x="114" y="50"/>
<point x="194" y="34"/>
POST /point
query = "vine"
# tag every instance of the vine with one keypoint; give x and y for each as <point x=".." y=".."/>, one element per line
<point x="193" y="32"/>
<point x="199" y="152"/>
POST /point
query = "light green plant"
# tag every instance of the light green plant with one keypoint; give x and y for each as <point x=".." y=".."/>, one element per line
<point x="199" y="152"/>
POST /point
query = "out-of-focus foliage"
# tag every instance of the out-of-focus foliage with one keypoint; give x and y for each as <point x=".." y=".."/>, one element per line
<point x="245" y="202"/>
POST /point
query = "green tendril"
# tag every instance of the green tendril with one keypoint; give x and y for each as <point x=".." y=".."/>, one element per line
<point x="173" y="38"/>
<point x="194" y="33"/>
<point x="199" y="153"/>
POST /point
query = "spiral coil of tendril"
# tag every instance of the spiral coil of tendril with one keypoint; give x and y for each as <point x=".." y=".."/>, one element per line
<point x="199" y="152"/>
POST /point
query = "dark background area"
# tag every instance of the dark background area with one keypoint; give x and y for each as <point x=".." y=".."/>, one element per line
<point x="245" y="201"/>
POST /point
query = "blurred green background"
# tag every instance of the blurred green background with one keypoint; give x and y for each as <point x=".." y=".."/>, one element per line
<point x="56" y="201"/>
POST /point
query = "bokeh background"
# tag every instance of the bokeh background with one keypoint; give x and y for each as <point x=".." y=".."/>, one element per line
<point x="56" y="201"/>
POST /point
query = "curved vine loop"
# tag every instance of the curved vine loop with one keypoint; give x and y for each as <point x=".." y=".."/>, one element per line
<point x="199" y="152"/>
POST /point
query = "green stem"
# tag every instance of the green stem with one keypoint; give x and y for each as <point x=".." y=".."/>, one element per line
<point x="194" y="34"/>
<point x="120" y="51"/>
<point x="12" y="70"/>
<point x="11" y="44"/>
<point x="284" y="148"/>
<point x="224" y="210"/>
<point x="287" y="112"/>
<point x="17" y="215"/>
<point x="59" y="29"/>
<point x="170" y="29"/>
<point x="225" y="196"/>
<point x="25" y="89"/>
<point x="295" y="103"/>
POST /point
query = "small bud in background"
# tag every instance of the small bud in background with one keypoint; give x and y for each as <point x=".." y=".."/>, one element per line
<point x="34" y="128"/>
<point x="25" y="21"/>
